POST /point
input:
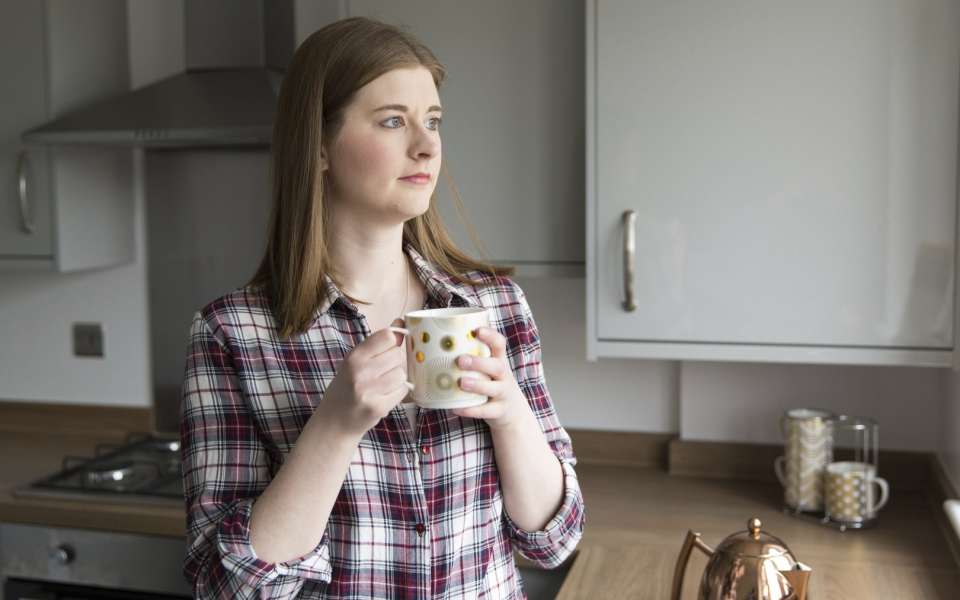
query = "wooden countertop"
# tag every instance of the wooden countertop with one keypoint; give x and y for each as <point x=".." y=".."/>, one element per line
<point x="636" y="522"/>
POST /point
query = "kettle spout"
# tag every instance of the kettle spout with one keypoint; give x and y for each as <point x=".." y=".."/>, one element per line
<point x="798" y="577"/>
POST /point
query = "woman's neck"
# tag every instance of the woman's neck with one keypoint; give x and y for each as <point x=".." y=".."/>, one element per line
<point x="373" y="271"/>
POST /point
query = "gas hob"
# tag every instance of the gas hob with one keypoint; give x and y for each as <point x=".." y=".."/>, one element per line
<point x="145" y="469"/>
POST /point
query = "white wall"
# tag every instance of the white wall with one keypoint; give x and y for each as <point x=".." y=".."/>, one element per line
<point x="745" y="401"/>
<point x="36" y="353"/>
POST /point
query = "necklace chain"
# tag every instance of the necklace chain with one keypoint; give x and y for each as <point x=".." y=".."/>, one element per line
<point x="406" y="293"/>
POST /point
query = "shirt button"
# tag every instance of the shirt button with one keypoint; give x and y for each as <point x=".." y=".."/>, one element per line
<point x="420" y="529"/>
<point x="425" y="449"/>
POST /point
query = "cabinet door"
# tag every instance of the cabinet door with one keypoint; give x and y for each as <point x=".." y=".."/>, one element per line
<point x="513" y="120"/>
<point x="23" y="90"/>
<point x="792" y="168"/>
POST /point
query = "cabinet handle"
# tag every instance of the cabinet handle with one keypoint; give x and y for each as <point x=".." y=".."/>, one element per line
<point x="629" y="258"/>
<point x="26" y="216"/>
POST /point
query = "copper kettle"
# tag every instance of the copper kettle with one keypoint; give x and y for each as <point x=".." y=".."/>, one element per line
<point x="748" y="564"/>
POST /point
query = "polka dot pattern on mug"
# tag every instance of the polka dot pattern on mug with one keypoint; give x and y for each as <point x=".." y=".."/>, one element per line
<point x="846" y="497"/>
<point x="434" y="345"/>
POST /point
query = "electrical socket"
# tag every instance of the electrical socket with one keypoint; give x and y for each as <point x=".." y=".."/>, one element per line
<point x="88" y="339"/>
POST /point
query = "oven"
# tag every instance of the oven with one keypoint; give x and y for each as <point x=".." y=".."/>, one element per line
<point x="55" y="563"/>
<point x="19" y="589"/>
<point x="42" y="562"/>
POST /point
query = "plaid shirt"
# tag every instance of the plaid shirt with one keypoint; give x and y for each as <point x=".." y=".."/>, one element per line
<point x="420" y="513"/>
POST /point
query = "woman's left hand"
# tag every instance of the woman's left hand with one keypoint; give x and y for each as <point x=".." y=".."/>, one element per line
<point x="507" y="402"/>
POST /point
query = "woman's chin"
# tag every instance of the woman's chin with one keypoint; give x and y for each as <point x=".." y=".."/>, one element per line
<point x="414" y="208"/>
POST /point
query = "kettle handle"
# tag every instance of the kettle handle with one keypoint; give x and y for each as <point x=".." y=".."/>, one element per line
<point x="693" y="540"/>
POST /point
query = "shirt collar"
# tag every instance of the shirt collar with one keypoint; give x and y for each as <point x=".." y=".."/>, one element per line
<point x="442" y="289"/>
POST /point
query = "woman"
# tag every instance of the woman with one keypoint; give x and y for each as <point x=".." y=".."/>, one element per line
<point x="303" y="476"/>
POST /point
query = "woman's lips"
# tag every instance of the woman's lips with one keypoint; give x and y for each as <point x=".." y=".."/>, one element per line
<point x="419" y="179"/>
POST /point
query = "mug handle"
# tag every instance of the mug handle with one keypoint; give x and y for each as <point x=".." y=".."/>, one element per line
<point x="405" y="332"/>
<point x="884" y="492"/>
<point x="778" y="469"/>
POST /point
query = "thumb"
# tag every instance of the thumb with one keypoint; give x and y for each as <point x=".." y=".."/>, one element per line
<point x="398" y="322"/>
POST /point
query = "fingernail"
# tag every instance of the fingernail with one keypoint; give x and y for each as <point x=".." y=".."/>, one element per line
<point x="466" y="382"/>
<point x="464" y="361"/>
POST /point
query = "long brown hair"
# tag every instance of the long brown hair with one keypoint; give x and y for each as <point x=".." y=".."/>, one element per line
<point x="326" y="71"/>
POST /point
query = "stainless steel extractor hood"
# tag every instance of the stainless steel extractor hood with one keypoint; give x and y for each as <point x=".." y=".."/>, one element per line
<point x="236" y="52"/>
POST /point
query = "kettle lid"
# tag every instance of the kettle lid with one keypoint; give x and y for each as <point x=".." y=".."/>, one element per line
<point x="754" y="543"/>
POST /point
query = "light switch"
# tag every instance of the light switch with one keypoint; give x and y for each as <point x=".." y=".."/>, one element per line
<point x="88" y="339"/>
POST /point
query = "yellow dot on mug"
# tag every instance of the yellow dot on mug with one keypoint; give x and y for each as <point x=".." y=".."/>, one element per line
<point x="444" y="381"/>
<point x="419" y="357"/>
<point x="470" y="335"/>
<point x="447" y="343"/>
<point x="425" y="337"/>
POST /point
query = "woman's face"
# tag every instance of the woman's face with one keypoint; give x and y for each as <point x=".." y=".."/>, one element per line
<point x="390" y="131"/>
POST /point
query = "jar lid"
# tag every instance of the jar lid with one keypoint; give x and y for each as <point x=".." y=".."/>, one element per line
<point x="754" y="543"/>
<point x="854" y="422"/>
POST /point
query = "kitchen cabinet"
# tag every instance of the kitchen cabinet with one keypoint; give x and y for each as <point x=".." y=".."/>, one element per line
<point x="61" y="208"/>
<point x="773" y="181"/>
<point x="513" y="125"/>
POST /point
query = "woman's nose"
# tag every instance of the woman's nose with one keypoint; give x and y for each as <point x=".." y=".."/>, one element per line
<point x="427" y="143"/>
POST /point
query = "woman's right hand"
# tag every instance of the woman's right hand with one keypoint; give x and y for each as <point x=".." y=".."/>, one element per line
<point x="370" y="381"/>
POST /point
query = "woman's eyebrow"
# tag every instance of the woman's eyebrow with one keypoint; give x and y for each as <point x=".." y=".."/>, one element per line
<point x="403" y="108"/>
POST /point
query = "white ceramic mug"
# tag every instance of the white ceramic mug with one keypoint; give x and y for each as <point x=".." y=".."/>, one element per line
<point x="435" y="338"/>
<point x="850" y="491"/>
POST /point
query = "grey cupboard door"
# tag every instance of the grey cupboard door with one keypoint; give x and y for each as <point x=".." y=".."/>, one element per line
<point x="792" y="167"/>
<point x="513" y="119"/>
<point x="24" y="102"/>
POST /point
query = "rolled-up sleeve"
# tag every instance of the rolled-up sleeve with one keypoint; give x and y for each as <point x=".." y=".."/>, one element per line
<point x="553" y="544"/>
<point x="225" y="468"/>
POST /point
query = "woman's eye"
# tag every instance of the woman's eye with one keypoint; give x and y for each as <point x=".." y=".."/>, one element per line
<point x="395" y="122"/>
